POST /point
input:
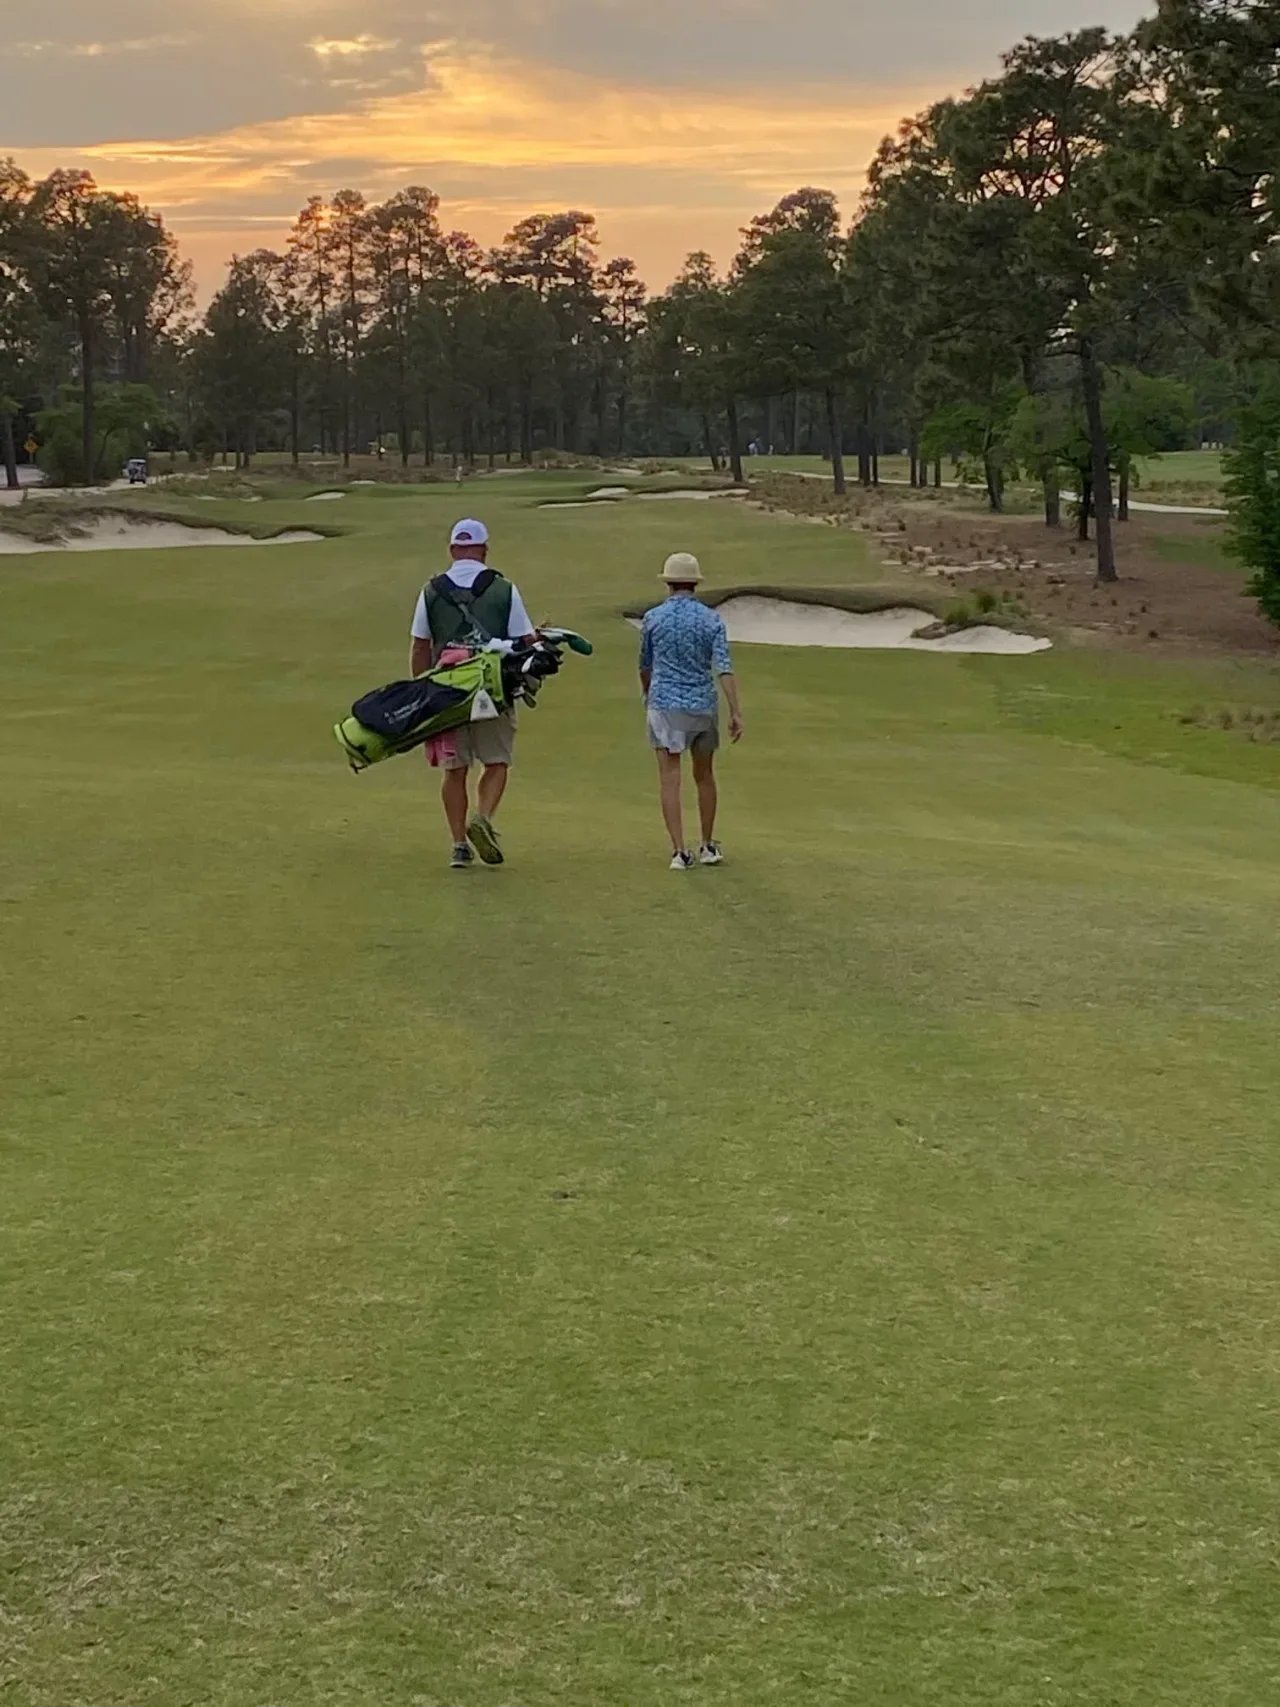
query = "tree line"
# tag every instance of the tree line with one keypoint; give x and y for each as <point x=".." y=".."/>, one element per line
<point x="1071" y="265"/>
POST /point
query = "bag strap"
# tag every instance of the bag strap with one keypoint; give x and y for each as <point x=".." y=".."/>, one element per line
<point x="463" y="598"/>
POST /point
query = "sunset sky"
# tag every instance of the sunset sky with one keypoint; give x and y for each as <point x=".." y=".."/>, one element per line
<point x="673" y="121"/>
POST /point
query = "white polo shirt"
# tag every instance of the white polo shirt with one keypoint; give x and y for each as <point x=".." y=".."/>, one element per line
<point x="463" y="575"/>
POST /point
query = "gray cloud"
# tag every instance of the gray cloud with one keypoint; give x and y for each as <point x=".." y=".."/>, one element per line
<point x="81" y="73"/>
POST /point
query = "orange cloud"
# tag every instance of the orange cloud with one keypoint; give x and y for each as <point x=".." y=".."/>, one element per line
<point x="498" y="137"/>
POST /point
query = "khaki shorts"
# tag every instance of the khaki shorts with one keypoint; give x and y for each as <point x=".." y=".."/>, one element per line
<point x="492" y="741"/>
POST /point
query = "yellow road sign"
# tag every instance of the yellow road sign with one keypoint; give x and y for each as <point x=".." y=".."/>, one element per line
<point x="31" y="447"/>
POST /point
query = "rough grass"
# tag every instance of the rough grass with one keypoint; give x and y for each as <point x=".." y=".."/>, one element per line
<point x="1207" y="548"/>
<point x="849" y="1275"/>
<point x="1183" y="476"/>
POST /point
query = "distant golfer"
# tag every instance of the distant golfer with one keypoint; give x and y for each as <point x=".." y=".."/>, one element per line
<point x="470" y="600"/>
<point x="683" y="649"/>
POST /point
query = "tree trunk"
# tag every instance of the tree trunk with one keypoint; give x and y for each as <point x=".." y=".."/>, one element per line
<point x="995" y="483"/>
<point x="735" y="448"/>
<point x="1085" y="505"/>
<point x="624" y="403"/>
<point x="526" y="427"/>
<point x="937" y="473"/>
<point x="1052" y="495"/>
<point x="86" y="411"/>
<point x="295" y="420"/>
<point x="708" y="440"/>
<point x="402" y="429"/>
<point x="1091" y="386"/>
<point x="8" y="450"/>
<point x="795" y="423"/>
<point x="835" y="432"/>
<point x="913" y="458"/>
<point x="864" y="455"/>
<point x="428" y="443"/>
<point x="1122" y="508"/>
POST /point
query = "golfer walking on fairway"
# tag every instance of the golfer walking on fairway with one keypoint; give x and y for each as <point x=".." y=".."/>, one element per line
<point x="470" y="600"/>
<point x="684" y="647"/>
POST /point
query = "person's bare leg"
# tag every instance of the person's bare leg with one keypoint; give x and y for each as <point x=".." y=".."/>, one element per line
<point x="493" y="785"/>
<point x="704" y="775"/>
<point x="669" y="780"/>
<point x="453" y="792"/>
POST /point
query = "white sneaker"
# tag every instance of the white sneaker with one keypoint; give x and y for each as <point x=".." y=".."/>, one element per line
<point x="712" y="854"/>
<point x="683" y="861"/>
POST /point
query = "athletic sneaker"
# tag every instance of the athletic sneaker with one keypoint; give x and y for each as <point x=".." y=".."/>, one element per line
<point x="484" y="839"/>
<point x="712" y="854"/>
<point x="683" y="861"/>
<point x="462" y="857"/>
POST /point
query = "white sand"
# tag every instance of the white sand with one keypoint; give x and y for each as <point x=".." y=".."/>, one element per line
<point x="325" y="497"/>
<point x="782" y="622"/>
<point x="607" y="495"/>
<point x="124" y="533"/>
<point x="691" y="496"/>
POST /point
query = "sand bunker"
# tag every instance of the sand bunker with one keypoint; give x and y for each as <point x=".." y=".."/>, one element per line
<point x="782" y="622"/>
<point x="324" y="497"/>
<point x="609" y="494"/>
<point x="752" y="620"/>
<point x="692" y="495"/>
<point x="130" y="533"/>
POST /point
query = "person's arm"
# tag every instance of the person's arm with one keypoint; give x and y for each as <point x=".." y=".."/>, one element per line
<point x="722" y="663"/>
<point x="729" y="682"/>
<point x="646" y="660"/>
<point x="519" y="627"/>
<point x="420" y="649"/>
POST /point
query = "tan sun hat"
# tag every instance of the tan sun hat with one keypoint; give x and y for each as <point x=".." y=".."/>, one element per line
<point x="682" y="569"/>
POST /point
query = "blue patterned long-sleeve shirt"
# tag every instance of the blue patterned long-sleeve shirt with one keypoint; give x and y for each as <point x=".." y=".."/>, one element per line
<point x="686" y="646"/>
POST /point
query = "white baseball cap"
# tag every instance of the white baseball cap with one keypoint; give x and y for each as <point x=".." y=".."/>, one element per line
<point x="682" y="568"/>
<point x="469" y="533"/>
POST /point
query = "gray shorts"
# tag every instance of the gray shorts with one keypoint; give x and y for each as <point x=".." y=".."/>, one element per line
<point x="684" y="731"/>
<point x="491" y="741"/>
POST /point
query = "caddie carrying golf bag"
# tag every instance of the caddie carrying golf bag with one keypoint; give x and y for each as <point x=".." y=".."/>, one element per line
<point x="402" y="715"/>
<point x="480" y="684"/>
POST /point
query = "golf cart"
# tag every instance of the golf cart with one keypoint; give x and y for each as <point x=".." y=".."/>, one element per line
<point x="135" y="471"/>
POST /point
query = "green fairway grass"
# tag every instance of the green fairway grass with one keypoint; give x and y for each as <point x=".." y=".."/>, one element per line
<point x="849" y="1275"/>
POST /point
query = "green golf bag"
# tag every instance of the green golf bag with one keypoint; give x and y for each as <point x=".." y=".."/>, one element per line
<point x="402" y="715"/>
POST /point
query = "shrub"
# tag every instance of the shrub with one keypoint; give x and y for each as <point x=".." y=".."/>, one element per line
<point x="1252" y="468"/>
